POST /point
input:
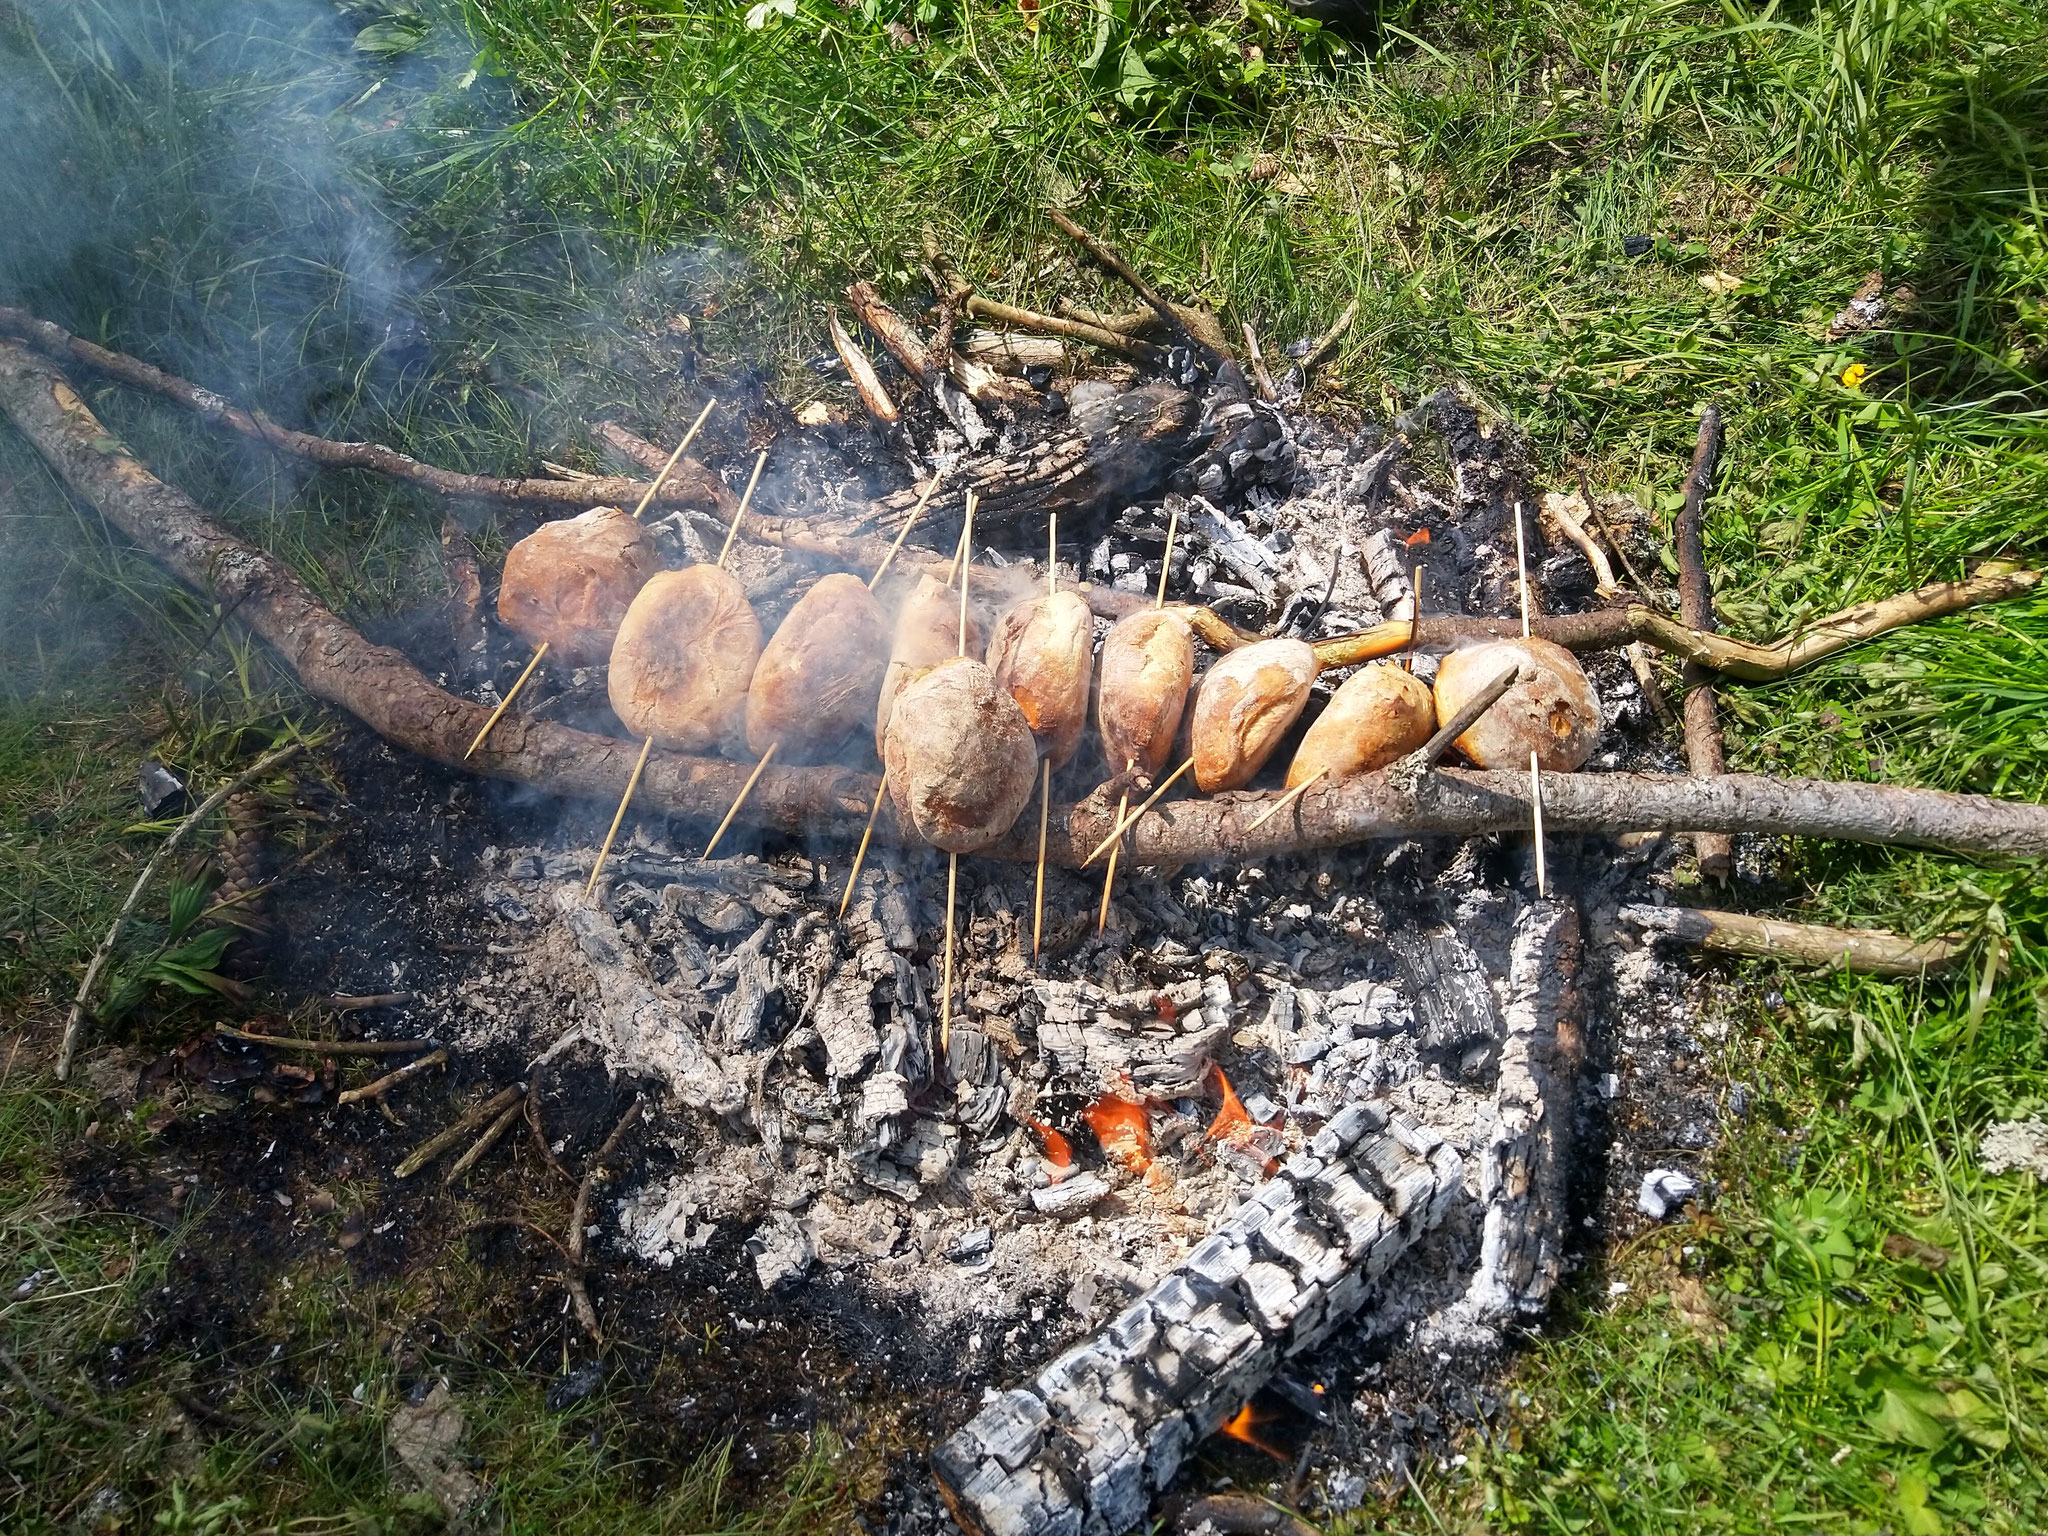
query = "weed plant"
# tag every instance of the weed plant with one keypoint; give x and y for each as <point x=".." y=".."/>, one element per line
<point x="463" y="226"/>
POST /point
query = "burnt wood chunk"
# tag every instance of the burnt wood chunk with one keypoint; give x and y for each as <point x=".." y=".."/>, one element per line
<point x="1450" y="990"/>
<point x="1085" y="1446"/>
<point x="1522" y="1169"/>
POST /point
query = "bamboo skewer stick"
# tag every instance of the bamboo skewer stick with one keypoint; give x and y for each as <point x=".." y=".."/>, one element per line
<point x="653" y="489"/>
<point x="760" y="460"/>
<point x="506" y="703"/>
<point x="867" y="833"/>
<point x="1414" y="618"/>
<point x="1535" y="768"/>
<point x="745" y="790"/>
<point x="964" y="562"/>
<point x="1123" y="805"/>
<point x="853" y="874"/>
<point x="1286" y="800"/>
<point x="1052" y="587"/>
<point x="1125" y="823"/>
<point x="632" y="783"/>
<point x="1522" y="565"/>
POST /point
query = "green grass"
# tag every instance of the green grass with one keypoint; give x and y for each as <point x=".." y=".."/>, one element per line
<point x="540" y="184"/>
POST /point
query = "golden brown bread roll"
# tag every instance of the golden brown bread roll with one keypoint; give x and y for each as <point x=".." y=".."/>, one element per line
<point x="1041" y="652"/>
<point x="1380" y="713"/>
<point x="927" y="633"/>
<point x="1148" y="660"/>
<point x="962" y="761"/>
<point x="569" y="583"/>
<point x="1244" y="706"/>
<point x="683" y="659"/>
<point x="817" y="678"/>
<point x="1552" y="710"/>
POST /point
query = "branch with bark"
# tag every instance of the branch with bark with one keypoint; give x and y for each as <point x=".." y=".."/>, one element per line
<point x="383" y="689"/>
<point x="1703" y="754"/>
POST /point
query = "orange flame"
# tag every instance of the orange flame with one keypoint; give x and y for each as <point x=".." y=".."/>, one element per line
<point x="1121" y="1126"/>
<point x="1419" y="536"/>
<point x="1234" y="1124"/>
<point x="1057" y="1152"/>
<point x="1244" y="1426"/>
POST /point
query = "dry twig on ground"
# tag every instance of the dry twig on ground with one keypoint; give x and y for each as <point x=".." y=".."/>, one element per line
<point x="1703" y="753"/>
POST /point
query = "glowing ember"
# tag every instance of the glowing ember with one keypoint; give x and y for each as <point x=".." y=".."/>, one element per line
<point x="1245" y="1427"/>
<point x="1233" y="1124"/>
<point x="1057" y="1152"/>
<point x="1122" y="1128"/>
<point x="1419" y="536"/>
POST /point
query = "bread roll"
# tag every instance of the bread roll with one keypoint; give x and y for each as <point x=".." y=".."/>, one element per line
<point x="962" y="761"/>
<point x="927" y="633"/>
<point x="570" y="582"/>
<point x="1244" y="706"/>
<point x="1041" y="652"/>
<point x="817" y="678"/>
<point x="1148" y="660"/>
<point x="1552" y="710"/>
<point x="1380" y="713"/>
<point x="683" y="659"/>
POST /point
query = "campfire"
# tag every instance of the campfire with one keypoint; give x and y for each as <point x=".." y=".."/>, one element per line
<point x="1235" y="1022"/>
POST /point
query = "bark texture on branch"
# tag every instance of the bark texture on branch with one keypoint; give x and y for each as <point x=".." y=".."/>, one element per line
<point x="689" y="484"/>
<point x="1872" y="951"/>
<point x="1703" y="754"/>
<point x="383" y="689"/>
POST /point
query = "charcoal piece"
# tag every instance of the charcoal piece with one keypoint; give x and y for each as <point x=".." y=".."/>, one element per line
<point x="1452" y="999"/>
<point x="1523" y="1167"/>
<point x="845" y="1021"/>
<point x="741" y="1012"/>
<point x="1071" y="1196"/>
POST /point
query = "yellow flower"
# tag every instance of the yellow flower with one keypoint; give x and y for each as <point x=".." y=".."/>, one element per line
<point x="1854" y="375"/>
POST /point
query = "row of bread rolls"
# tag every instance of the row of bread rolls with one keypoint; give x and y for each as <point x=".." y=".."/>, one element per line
<point x="962" y="738"/>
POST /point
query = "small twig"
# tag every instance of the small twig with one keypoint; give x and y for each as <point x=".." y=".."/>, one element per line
<point x="74" y="1024"/>
<point x="540" y="1138"/>
<point x="1074" y="330"/>
<point x="1265" y="380"/>
<point x="1871" y="951"/>
<point x="484" y="1143"/>
<point x="470" y="1119"/>
<point x="594" y="1175"/>
<point x="1599" y="517"/>
<point x="1108" y="255"/>
<point x="51" y="1400"/>
<point x="1703" y="750"/>
<point x="1327" y="343"/>
<point x="342" y="1002"/>
<point x="324" y="1047"/>
<point x="391" y="1080"/>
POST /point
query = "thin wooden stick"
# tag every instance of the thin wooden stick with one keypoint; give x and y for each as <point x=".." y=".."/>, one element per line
<point x="1125" y="823"/>
<point x="1522" y="564"/>
<point x="391" y="1080"/>
<point x="506" y="702"/>
<point x="881" y="789"/>
<point x="1414" y="618"/>
<point x="745" y="790"/>
<point x="1109" y="871"/>
<point x="1166" y="563"/>
<point x="632" y="783"/>
<point x="1536" y="812"/>
<point x="1286" y="800"/>
<point x="689" y="437"/>
<point x="1038" y="891"/>
<point x="471" y="1118"/>
<point x="323" y="1047"/>
<point x="965" y="562"/>
<point x="946" y="1001"/>
<point x="74" y="1025"/>
<point x="484" y="1143"/>
<point x="924" y="500"/>
<point x="752" y="480"/>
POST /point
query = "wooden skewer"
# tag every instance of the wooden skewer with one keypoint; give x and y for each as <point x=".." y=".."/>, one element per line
<point x="1286" y="800"/>
<point x="1536" y="810"/>
<point x="1052" y="587"/>
<point x="1125" y="823"/>
<point x="632" y="783"/>
<point x="1415" y="618"/>
<point x="1109" y="874"/>
<point x="1166" y="561"/>
<point x="745" y="790"/>
<point x="689" y="437"/>
<point x="881" y="789"/>
<point x="653" y="489"/>
<point x="752" y="481"/>
<point x="506" y="702"/>
<point x="923" y="500"/>
<point x="965" y="561"/>
<point x="1522" y="564"/>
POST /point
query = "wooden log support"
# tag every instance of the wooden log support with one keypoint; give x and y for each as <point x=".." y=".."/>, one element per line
<point x="1871" y="951"/>
<point x="1522" y="1169"/>
<point x="1082" y="1448"/>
